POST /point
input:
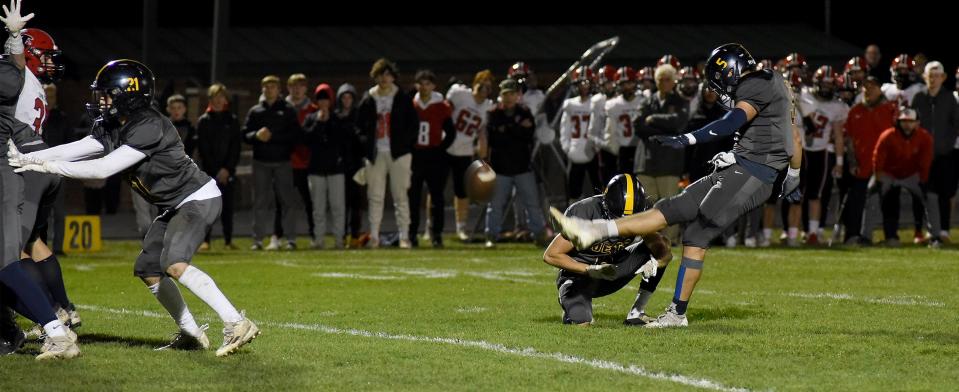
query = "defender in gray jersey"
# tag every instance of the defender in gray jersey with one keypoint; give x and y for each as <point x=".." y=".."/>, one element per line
<point x="762" y="111"/>
<point x="136" y="140"/>
<point x="607" y="266"/>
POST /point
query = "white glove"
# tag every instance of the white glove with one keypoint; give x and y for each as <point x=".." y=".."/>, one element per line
<point x="648" y="270"/>
<point x="17" y="159"/>
<point x="44" y="167"/>
<point x="602" y="271"/>
<point x="12" y="18"/>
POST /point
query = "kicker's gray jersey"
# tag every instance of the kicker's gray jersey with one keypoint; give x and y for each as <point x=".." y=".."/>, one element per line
<point x="167" y="175"/>
<point x="767" y="139"/>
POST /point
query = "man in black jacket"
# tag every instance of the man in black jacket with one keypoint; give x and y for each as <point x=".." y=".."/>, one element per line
<point x="218" y="143"/>
<point x="389" y="122"/>
<point x="272" y="128"/>
<point x="664" y="113"/>
<point x="939" y="114"/>
<point x="510" y="130"/>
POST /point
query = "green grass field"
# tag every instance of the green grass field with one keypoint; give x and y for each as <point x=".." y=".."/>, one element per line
<point x="465" y="318"/>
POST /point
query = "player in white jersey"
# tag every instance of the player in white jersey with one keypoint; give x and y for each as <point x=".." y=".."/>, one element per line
<point x="905" y="78"/>
<point x="470" y="108"/>
<point x="606" y="82"/>
<point x="40" y="53"/>
<point x="575" y="134"/>
<point x="824" y="117"/>
<point x="621" y="111"/>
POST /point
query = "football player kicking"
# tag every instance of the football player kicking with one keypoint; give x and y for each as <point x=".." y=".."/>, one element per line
<point x="607" y="266"/>
<point x="135" y="139"/>
<point x="768" y="142"/>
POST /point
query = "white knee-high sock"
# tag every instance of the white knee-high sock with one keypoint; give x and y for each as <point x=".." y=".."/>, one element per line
<point x="203" y="286"/>
<point x="168" y="294"/>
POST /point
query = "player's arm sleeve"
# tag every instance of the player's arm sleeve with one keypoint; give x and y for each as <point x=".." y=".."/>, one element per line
<point x="565" y="129"/>
<point x="81" y="149"/>
<point x="725" y="126"/>
<point x="100" y="168"/>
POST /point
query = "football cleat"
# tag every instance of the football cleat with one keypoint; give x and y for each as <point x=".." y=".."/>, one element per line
<point x="184" y="341"/>
<point x="669" y="319"/>
<point x="236" y="335"/>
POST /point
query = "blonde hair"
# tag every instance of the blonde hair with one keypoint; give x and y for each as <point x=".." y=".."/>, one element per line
<point x="666" y="70"/>
<point x="269" y="79"/>
<point x="296" y="78"/>
<point x="215" y="88"/>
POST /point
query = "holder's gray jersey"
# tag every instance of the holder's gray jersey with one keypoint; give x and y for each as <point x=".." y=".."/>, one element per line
<point x="167" y="175"/>
<point x="767" y="139"/>
<point x="611" y="250"/>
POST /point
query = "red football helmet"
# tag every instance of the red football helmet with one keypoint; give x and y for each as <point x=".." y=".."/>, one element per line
<point x="847" y="83"/>
<point x="825" y="82"/>
<point x="795" y="60"/>
<point x="647" y="73"/>
<point x="689" y="73"/>
<point x="903" y="70"/>
<point x="795" y="77"/>
<point x="688" y="81"/>
<point x="41" y="55"/>
<point x="582" y="74"/>
<point x="606" y="73"/>
<point x="625" y="74"/>
<point x="669" y="59"/>
<point x="519" y="70"/>
<point x="857" y="63"/>
<point x="902" y="61"/>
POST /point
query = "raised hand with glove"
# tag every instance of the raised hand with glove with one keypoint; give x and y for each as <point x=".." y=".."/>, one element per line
<point x="14" y="23"/>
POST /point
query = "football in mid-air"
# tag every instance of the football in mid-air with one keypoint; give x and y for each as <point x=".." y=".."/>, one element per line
<point x="480" y="181"/>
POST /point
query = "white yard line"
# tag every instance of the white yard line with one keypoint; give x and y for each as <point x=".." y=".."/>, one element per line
<point x="527" y="352"/>
<point x="909" y="300"/>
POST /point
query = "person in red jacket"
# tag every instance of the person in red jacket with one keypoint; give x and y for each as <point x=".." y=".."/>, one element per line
<point x="435" y="135"/>
<point x="866" y="121"/>
<point x="902" y="159"/>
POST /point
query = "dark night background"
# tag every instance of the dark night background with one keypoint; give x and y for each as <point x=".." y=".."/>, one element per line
<point x="911" y="27"/>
